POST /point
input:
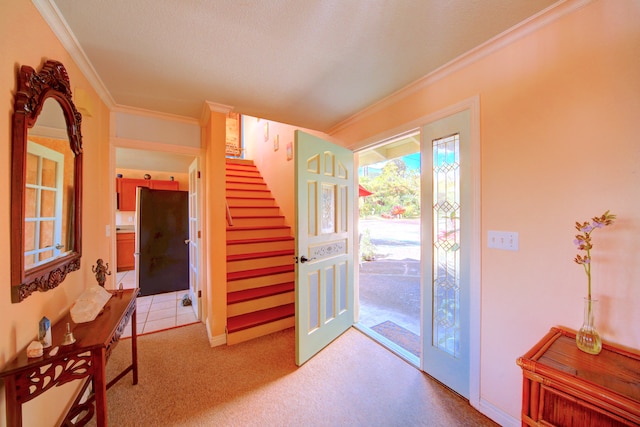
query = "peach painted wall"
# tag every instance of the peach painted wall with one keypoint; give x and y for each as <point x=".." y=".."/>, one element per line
<point x="277" y="171"/>
<point x="214" y="227"/>
<point x="560" y="109"/>
<point x="25" y="39"/>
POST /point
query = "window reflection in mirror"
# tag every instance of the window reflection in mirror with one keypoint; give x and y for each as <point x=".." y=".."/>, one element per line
<point x="49" y="189"/>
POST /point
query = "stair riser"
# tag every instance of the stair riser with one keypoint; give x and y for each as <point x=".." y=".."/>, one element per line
<point x="241" y="175"/>
<point x="248" y="194"/>
<point x="251" y="186"/>
<point x="241" y="170"/>
<point x="257" y="234"/>
<point x="257" y="282"/>
<point x="257" y="222"/>
<point x="260" y="304"/>
<point x="251" y="202"/>
<point x="229" y="161"/>
<point x="239" y="212"/>
<point x="250" y="248"/>
<point x="254" y="264"/>
<point x="247" y="179"/>
<point x="258" y="331"/>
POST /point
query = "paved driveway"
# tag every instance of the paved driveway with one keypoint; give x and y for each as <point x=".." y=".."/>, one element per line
<point x="390" y="284"/>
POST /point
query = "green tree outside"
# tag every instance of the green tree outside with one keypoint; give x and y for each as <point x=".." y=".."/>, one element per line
<point x="396" y="189"/>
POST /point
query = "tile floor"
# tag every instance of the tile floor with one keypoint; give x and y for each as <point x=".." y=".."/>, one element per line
<point x="156" y="312"/>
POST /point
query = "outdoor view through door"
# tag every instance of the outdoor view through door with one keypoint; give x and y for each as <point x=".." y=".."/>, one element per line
<point x="389" y="234"/>
<point x="418" y="224"/>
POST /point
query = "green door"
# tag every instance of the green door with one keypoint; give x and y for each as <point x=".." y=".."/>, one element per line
<point x="324" y="184"/>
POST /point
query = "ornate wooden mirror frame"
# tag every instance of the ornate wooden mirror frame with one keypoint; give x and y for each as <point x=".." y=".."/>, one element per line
<point x="34" y="88"/>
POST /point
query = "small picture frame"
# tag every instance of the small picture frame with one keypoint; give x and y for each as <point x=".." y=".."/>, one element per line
<point x="276" y="142"/>
<point x="290" y="151"/>
<point x="266" y="131"/>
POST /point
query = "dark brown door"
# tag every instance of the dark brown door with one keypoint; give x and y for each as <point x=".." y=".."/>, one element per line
<point x="163" y="221"/>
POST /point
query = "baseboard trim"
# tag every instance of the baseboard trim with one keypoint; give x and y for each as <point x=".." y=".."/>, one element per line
<point x="497" y="415"/>
<point x="214" y="341"/>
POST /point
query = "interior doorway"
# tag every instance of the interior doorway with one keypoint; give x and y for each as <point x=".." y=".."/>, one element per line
<point x="389" y="224"/>
<point x="162" y="166"/>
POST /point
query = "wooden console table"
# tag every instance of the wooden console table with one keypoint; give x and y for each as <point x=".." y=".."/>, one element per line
<point x="25" y="378"/>
<point x="563" y="386"/>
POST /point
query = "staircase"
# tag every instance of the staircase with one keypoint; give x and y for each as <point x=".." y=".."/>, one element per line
<point x="260" y="264"/>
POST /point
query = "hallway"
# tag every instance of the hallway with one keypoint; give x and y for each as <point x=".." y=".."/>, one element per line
<point x="156" y="312"/>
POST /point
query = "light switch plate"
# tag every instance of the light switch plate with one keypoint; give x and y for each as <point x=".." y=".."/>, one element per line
<point x="505" y="240"/>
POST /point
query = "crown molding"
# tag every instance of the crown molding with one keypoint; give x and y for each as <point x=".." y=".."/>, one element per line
<point x="209" y="107"/>
<point x="153" y="114"/>
<point x="518" y="31"/>
<point x="53" y="17"/>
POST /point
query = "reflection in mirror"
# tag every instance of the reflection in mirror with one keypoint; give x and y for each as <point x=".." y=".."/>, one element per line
<point x="46" y="188"/>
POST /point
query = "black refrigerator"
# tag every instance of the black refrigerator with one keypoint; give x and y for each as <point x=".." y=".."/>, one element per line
<point x="162" y="231"/>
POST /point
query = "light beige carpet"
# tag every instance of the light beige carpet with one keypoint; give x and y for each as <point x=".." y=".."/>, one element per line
<point x="352" y="382"/>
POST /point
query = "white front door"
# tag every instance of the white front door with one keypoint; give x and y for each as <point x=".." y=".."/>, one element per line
<point x="324" y="193"/>
<point x="447" y="217"/>
<point x="194" y="241"/>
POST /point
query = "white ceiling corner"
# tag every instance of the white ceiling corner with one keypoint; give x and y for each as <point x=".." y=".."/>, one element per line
<point x="311" y="63"/>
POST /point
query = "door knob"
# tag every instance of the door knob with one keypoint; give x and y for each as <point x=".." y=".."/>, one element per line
<point x="186" y="241"/>
<point x="304" y="259"/>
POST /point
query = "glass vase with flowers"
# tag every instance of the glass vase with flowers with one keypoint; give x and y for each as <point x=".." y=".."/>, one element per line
<point x="588" y="339"/>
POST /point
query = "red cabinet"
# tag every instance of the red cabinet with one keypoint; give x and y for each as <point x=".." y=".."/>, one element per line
<point x="163" y="185"/>
<point x="126" y="189"/>
<point x="125" y="249"/>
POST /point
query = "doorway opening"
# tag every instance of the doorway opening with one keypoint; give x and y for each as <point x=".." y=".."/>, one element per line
<point x="166" y="309"/>
<point x="389" y="235"/>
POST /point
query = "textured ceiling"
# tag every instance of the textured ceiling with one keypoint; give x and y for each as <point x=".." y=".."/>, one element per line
<point x="309" y="63"/>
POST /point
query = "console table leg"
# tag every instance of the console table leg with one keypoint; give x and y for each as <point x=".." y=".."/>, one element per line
<point x="100" y="384"/>
<point x="14" y="409"/>
<point x="134" y="346"/>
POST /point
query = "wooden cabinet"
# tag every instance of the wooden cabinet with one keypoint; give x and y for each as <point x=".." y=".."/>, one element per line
<point x="127" y="188"/>
<point x="125" y="249"/>
<point x="563" y="386"/>
<point x="164" y="185"/>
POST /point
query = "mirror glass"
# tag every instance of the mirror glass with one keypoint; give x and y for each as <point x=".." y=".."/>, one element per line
<point x="46" y="181"/>
<point x="49" y="181"/>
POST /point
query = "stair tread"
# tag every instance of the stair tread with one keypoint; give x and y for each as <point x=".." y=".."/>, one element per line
<point x="244" y="198"/>
<point x="257" y="216"/>
<point x="255" y="255"/>
<point x="255" y="293"/>
<point x="248" y="190"/>
<point x="247" y="274"/>
<point x="256" y="227"/>
<point x="249" y="320"/>
<point x="259" y="240"/>
<point x="234" y="161"/>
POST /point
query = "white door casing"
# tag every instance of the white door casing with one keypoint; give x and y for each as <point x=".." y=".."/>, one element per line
<point x="194" y="242"/>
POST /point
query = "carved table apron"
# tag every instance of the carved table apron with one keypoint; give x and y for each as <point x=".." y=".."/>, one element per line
<point x="25" y="378"/>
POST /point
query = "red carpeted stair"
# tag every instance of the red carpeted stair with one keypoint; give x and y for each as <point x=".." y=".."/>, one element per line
<point x="260" y="264"/>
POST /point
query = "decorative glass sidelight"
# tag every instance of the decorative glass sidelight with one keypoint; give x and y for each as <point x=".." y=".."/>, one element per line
<point x="446" y="244"/>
